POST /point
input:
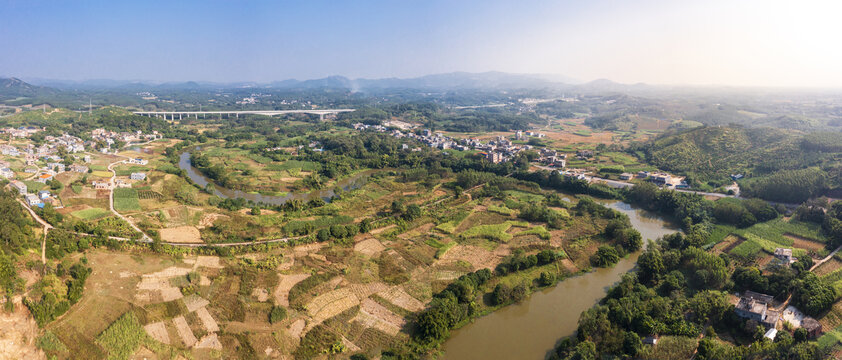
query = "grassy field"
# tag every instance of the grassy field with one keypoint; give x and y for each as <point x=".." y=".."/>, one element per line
<point x="775" y="230"/>
<point x="91" y="214"/>
<point x="125" y="199"/>
<point x="495" y="232"/>
<point x="539" y="231"/>
<point x="103" y="174"/>
<point x="831" y="338"/>
<point x="123" y="337"/>
<point x="501" y="210"/>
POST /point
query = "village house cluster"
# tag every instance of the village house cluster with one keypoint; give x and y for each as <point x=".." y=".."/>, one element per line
<point x="111" y="137"/>
<point x="496" y="151"/>
<point x="21" y="132"/>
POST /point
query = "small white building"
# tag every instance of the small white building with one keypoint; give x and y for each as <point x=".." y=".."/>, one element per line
<point x="138" y="161"/>
<point x="32" y="200"/>
<point x="20" y="186"/>
<point x="138" y="176"/>
<point x="7" y="173"/>
<point x="101" y="185"/>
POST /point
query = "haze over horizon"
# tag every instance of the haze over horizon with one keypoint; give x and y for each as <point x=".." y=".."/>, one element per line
<point x="749" y="43"/>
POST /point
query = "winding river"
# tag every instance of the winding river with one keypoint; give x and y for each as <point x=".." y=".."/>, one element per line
<point x="353" y="182"/>
<point x="529" y="330"/>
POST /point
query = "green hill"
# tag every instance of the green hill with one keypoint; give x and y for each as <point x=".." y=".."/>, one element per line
<point x="769" y="158"/>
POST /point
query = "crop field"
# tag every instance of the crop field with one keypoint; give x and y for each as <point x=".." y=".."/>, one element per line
<point x="747" y="249"/>
<point x="502" y="210"/>
<point x="91" y="213"/>
<point x="102" y="174"/>
<point x="539" y="231"/>
<point x="776" y="229"/>
<point x="495" y="232"/>
<point x="832" y="337"/>
<point x="125" y="199"/>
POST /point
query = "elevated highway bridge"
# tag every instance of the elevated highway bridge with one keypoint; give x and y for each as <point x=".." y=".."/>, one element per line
<point x="173" y="115"/>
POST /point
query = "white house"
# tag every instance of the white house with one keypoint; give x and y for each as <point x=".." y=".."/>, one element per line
<point x="7" y="173"/>
<point x="20" y="186"/>
<point x="32" y="200"/>
<point x="138" y="176"/>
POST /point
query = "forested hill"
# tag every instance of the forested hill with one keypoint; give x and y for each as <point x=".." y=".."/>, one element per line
<point x="57" y="121"/>
<point x="781" y="165"/>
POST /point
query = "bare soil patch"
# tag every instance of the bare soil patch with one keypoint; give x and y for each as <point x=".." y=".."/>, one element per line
<point x="18" y="335"/>
<point x="260" y="294"/>
<point x="380" y="230"/>
<point x="210" y="341"/>
<point x="303" y="250"/>
<point x="362" y="291"/>
<point x="569" y="266"/>
<point x="195" y="302"/>
<point x="478" y="257"/>
<point x="733" y="241"/>
<point x="208" y="321"/>
<point x="369" y="246"/>
<point x="828" y="267"/>
<point x="208" y="262"/>
<point x="285" y="283"/>
<point x="396" y="295"/>
<point x="803" y="243"/>
<point x="181" y="234"/>
<point x="330" y="304"/>
<point x="157" y="283"/>
<point x="158" y="331"/>
<point x="209" y="219"/>
<point x="376" y="316"/>
<point x="184" y="331"/>
<point x="297" y="327"/>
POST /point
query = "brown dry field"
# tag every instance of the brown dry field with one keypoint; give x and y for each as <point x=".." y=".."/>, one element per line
<point x="803" y="243"/>
<point x="730" y="242"/>
<point x="828" y="267"/>
<point x="181" y="234"/>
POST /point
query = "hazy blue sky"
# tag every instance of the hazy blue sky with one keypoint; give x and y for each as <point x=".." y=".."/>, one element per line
<point x="778" y="43"/>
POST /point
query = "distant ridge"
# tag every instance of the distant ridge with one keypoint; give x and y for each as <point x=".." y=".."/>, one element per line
<point x="446" y="81"/>
<point x="13" y="88"/>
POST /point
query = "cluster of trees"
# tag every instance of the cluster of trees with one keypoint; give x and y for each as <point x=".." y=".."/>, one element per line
<point x="450" y="307"/>
<point x="343" y="232"/>
<point x="519" y="262"/>
<point x="812" y="295"/>
<point x="828" y="215"/>
<point x="743" y="213"/>
<point x="407" y="212"/>
<point x="680" y="289"/>
<point x="58" y="296"/>
<point x="554" y="180"/>
<point x="15" y="224"/>
<point x="793" y="186"/>
<point x="541" y="213"/>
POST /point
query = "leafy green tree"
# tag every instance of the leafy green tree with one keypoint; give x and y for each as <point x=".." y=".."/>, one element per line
<point x="546" y="279"/>
<point x="606" y="256"/>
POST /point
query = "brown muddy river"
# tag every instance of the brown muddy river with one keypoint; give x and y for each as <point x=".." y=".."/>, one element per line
<point x="529" y="330"/>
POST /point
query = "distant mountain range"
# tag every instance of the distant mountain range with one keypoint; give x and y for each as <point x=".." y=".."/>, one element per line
<point x="13" y="88"/>
<point x="448" y="81"/>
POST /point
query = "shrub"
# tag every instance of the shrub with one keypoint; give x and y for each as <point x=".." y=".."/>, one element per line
<point x="278" y="314"/>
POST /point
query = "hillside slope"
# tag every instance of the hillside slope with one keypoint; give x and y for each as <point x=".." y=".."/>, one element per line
<point x="711" y="154"/>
